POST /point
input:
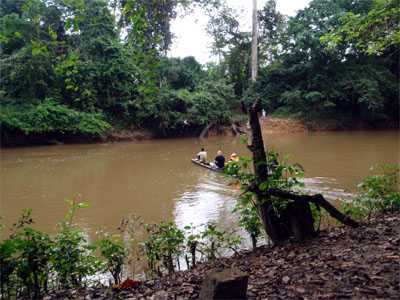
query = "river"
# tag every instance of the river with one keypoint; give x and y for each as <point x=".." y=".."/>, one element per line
<point x="156" y="180"/>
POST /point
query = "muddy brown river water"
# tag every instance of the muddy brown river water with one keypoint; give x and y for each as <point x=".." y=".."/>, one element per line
<point x="156" y="180"/>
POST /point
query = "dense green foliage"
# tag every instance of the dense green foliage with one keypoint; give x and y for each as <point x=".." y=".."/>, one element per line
<point x="334" y="59"/>
<point x="51" y="117"/>
<point x="82" y="66"/>
<point x="372" y="32"/>
<point x="315" y="81"/>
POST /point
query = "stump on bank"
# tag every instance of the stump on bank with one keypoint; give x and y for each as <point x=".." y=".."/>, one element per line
<point x="224" y="284"/>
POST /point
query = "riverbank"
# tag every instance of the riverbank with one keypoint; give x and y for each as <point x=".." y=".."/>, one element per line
<point x="360" y="263"/>
<point x="269" y="125"/>
<point x="293" y="125"/>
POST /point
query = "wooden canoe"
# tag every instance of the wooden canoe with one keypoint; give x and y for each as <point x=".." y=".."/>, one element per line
<point x="211" y="168"/>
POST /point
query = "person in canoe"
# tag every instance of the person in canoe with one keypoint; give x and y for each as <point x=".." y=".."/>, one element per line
<point x="232" y="167"/>
<point x="202" y="156"/>
<point x="219" y="160"/>
<point x="234" y="157"/>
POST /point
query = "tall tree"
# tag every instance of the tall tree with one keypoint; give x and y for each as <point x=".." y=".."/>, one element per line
<point x="256" y="145"/>
<point x="310" y="80"/>
<point x="374" y="31"/>
<point x="272" y="25"/>
<point x="232" y="46"/>
<point x="296" y="218"/>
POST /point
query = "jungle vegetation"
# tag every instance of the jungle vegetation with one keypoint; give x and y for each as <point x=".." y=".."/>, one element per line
<point x="81" y="67"/>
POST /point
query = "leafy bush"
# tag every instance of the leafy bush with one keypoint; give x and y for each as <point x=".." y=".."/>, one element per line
<point x="249" y="219"/>
<point x="164" y="245"/>
<point x="112" y="249"/>
<point x="51" y="117"/>
<point x="32" y="261"/>
<point x="8" y="263"/>
<point x="192" y="240"/>
<point x="33" y="264"/>
<point x="167" y="244"/>
<point x="215" y="242"/>
<point x="377" y="193"/>
<point x="212" y="102"/>
<point x="73" y="258"/>
<point x="25" y="258"/>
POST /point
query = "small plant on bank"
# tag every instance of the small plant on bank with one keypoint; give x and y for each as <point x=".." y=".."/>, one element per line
<point x="8" y="264"/>
<point x="132" y="232"/>
<point x="73" y="257"/>
<point x="192" y="240"/>
<point x="25" y="260"/>
<point x="166" y="245"/>
<point x="34" y="261"/>
<point x="215" y="242"/>
<point x="163" y="246"/>
<point x="112" y="250"/>
<point x="377" y="193"/>
<point x="248" y="217"/>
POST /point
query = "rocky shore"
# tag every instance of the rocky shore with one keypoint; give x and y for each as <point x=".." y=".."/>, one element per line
<point x="342" y="263"/>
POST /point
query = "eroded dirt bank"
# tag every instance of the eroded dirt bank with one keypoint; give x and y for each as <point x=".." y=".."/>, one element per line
<point x="268" y="125"/>
<point x="342" y="263"/>
<point x="290" y="125"/>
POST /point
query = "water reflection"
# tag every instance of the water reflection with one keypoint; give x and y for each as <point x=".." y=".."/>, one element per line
<point x="210" y="200"/>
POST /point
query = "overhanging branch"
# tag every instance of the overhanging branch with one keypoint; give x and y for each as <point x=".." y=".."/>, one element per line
<point x="317" y="199"/>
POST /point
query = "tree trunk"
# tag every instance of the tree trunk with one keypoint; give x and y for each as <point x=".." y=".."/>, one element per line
<point x="253" y="241"/>
<point x="226" y="284"/>
<point x="193" y="246"/>
<point x="319" y="200"/>
<point x="254" y="44"/>
<point x="299" y="220"/>
<point x="268" y="216"/>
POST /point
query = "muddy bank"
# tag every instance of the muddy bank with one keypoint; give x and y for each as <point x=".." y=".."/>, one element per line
<point x="114" y="135"/>
<point x="343" y="263"/>
<point x="291" y="125"/>
<point x="268" y="125"/>
<point x="20" y="139"/>
<point x="272" y="125"/>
